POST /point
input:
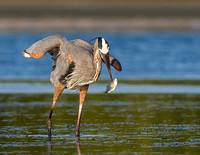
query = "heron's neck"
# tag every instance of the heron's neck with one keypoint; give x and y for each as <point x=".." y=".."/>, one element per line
<point x="97" y="65"/>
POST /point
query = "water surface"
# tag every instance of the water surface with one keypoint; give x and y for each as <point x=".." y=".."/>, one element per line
<point x="116" y="123"/>
<point x="173" y="55"/>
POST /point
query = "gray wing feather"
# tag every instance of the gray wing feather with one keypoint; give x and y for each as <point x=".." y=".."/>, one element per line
<point x="82" y="55"/>
<point x="50" y="44"/>
<point x="56" y="47"/>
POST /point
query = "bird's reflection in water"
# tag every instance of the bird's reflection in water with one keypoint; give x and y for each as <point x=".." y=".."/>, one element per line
<point x="78" y="145"/>
<point x="49" y="147"/>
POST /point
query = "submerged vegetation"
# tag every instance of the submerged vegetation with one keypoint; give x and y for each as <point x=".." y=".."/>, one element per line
<point x="27" y="98"/>
<point x="111" y="123"/>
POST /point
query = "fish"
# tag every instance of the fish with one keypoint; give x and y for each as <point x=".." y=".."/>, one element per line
<point x="112" y="86"/>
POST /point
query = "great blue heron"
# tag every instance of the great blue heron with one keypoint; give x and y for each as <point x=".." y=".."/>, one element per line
<point x="77" y="63"/>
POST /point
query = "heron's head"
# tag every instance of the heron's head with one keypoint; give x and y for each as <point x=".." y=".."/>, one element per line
<point x="103" y="48"/>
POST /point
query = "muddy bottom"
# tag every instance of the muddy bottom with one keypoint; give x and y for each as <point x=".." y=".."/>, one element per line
<point x="115" y="123"/>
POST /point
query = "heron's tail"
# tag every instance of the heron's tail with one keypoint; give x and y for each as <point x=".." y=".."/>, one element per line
<point x="40" y="48"/>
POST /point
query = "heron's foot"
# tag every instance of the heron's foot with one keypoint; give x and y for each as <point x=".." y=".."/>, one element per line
<point x="49" y="148"/>
<point x="77" y="139"/>
<point x="77" y="132"/>
<point x="77" y="136"/>
<point x="49" y="129"/>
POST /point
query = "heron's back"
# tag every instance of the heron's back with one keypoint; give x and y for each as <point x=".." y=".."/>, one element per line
<point x="73" y="65"/>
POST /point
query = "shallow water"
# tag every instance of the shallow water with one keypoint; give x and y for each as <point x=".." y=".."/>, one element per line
<point x="114" y="123"/>
<point x="100" y="88"/>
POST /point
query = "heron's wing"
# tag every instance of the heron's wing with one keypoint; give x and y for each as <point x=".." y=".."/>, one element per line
<point x="81" y="54"/>
<point x="54" y="45"/>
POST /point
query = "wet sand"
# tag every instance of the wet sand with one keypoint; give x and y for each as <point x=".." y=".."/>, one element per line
<point x="97" y="24"/>
<point x="106" y="16"/>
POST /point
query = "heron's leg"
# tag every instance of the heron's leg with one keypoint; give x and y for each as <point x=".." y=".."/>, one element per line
<point x="83" y="92"/>
<point x="57" y="91"/>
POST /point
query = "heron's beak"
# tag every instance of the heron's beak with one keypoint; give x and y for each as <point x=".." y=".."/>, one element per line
<point x="105" y="58"/>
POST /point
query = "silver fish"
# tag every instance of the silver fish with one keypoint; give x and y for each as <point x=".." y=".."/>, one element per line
<point x="112" y="86"/>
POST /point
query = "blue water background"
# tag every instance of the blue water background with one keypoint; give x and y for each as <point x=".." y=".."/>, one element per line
<point x="146" y="55"/>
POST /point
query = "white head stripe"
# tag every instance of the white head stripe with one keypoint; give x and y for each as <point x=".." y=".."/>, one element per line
<point x="105" y="47"/>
